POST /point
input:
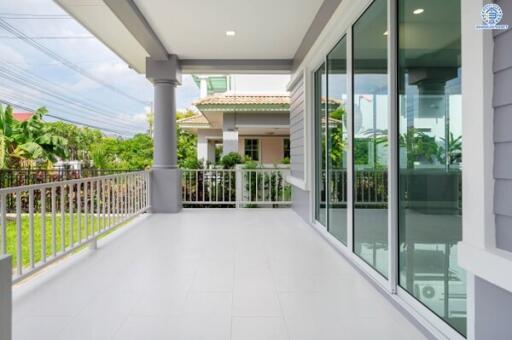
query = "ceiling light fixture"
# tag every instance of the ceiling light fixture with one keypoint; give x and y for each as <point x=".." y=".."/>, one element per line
<point x="385" y="33"/>
<point x="230" y="33"/>
<point x="418" y="11"/>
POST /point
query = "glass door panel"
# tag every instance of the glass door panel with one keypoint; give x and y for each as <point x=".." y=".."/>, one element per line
<point x="430" y="157"/>
<point x="320" y="147"/>
<point x="337" y="140"/>
<point x="370" y="107"/>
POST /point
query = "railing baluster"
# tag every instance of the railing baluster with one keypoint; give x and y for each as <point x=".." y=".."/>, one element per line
<point x="62" y="218"/>
<point x="86" y="211"/>
<point x="71" y="188"/>
<point x="19" y="236"/>
<point x="98" y="204"/>
<point x="79" y="210"/>
<point x="3" y="221"/>
<point x="54" y="221"/>
<point x="31" y="226"/>
<point x="43" y="225"/>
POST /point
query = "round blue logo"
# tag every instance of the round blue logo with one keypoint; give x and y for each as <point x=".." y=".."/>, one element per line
<point x="491" y="14"/>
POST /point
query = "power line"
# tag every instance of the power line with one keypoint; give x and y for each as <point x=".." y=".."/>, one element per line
<point x="23" y="16"/>
<point x="55" y="92"/>
<point x="11" y="29"/>
<point x="70" y="37"/>
<point x="27" y="97"/>
<point x="11" y="103"/>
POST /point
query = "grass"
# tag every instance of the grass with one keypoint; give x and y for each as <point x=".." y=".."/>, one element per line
<point x="71" y="228"/>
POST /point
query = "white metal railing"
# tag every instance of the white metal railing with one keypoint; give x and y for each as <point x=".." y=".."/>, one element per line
<point x="48" y="221"/>
<point x="235" y="187"/>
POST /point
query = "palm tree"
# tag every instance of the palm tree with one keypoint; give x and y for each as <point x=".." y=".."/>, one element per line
<point x="29" y="142"/>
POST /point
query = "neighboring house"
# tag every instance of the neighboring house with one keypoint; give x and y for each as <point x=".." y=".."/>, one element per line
<point x="256" y="126"/>
<point x="22" y="116"/>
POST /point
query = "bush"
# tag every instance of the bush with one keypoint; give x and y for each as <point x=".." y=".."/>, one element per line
<point x="231" y="159"/>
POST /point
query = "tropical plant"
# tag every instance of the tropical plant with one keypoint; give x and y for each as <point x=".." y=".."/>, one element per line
<point x="231" y="159"/>
<point x="420" y="147"/>
<point x="453" y="150"/>
<point x="30" y="142"/>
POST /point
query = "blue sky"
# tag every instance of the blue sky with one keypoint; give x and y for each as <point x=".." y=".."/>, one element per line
<point x="125" y="115"/>
<point x="32" y="79"/>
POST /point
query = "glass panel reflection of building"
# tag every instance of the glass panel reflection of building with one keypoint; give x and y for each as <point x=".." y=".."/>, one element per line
<point x="430" y="158"/>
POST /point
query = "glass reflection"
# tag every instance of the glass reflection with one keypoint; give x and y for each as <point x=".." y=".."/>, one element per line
<point x="430" y="158"/>
<point x="337" y="140"/>
<point x="320" y="145"/>
<point x="370" y="137"/>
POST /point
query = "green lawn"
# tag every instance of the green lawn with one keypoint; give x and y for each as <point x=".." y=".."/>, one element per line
<point x="68" y="226"/>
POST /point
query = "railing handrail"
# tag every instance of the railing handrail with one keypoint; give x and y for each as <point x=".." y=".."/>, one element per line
<point x="239" y="187"/>
<point x="49" y="185"/>
<point x="87" y="207"/>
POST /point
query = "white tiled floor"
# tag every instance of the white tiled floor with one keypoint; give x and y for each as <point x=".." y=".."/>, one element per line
<point x="207" y="274"/>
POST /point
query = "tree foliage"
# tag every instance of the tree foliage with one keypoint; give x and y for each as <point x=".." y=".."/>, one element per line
<point x="36" y="143"/>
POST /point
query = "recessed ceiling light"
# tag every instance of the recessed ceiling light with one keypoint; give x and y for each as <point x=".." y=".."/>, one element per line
<point x="418" y="11"/>
<point x="230" y="33"/>
<point x="385" y="33"/>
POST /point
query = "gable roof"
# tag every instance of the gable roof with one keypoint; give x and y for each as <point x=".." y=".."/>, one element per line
<point x="196" y="119"/>
<point x="229" y="102"/>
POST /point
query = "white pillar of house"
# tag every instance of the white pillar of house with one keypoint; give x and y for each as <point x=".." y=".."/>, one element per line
<point x="203" y="87"/>
<point x="202" y="146"/>
<point x="211" y="151"/>
<point x="165" y="174"/>
<point x="229" y="134"/>
<point x="229" y="141"/>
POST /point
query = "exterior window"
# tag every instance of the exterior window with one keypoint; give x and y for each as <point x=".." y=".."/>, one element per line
<point x="286" y="148"/>
<point x="320" y="147"/>
<point x="252" y="149"/>
<point x="370" y="107"/>
<point x="337" y="141"/>
<point x="430" y="157"/>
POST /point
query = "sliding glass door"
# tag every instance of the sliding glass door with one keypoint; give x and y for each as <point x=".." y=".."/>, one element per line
<point x="428" y="149"/>
<point x="370" y="107"/>
<point x="337" y="140"/>
<point x="430" y="156"/>
<point x="320" y="147"/>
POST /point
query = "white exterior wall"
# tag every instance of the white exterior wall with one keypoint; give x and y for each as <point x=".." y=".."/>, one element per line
<point x="204" y="145"/>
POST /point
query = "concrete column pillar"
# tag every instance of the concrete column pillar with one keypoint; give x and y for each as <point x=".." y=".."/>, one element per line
<point x="165" y="175"/>
<point x="165" y="125"/>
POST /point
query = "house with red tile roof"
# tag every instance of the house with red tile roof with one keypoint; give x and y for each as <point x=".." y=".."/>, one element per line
<point x="257" y="126"/>
<point x="22" y="116"/>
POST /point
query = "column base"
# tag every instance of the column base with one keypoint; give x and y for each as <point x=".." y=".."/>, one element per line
<point x="165" y="190"/>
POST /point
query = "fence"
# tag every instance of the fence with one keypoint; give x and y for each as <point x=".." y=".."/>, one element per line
<point x="54" y="219"/>
<point x="19" y="177"/>
<point x="235" y="187"/>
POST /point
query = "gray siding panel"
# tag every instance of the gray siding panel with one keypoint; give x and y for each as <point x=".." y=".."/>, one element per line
<point x="502" y="51"/>
<point x="503" y="124"/>
<point x="297" y="130"/>
<point x="504" y="232"/>
<point x="503" y="87"/>
<point x="503" y="163"/>
<point x="502" y="102"/>
<point x="502" y="197"/>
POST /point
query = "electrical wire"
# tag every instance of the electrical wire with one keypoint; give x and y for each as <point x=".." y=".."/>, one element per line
<point x="56" y="92"/>
<point x="21" y="106"/>
<point x="11" y="29"/>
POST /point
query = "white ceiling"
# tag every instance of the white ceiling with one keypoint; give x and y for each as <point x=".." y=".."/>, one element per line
<point x="265" y="29"/>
